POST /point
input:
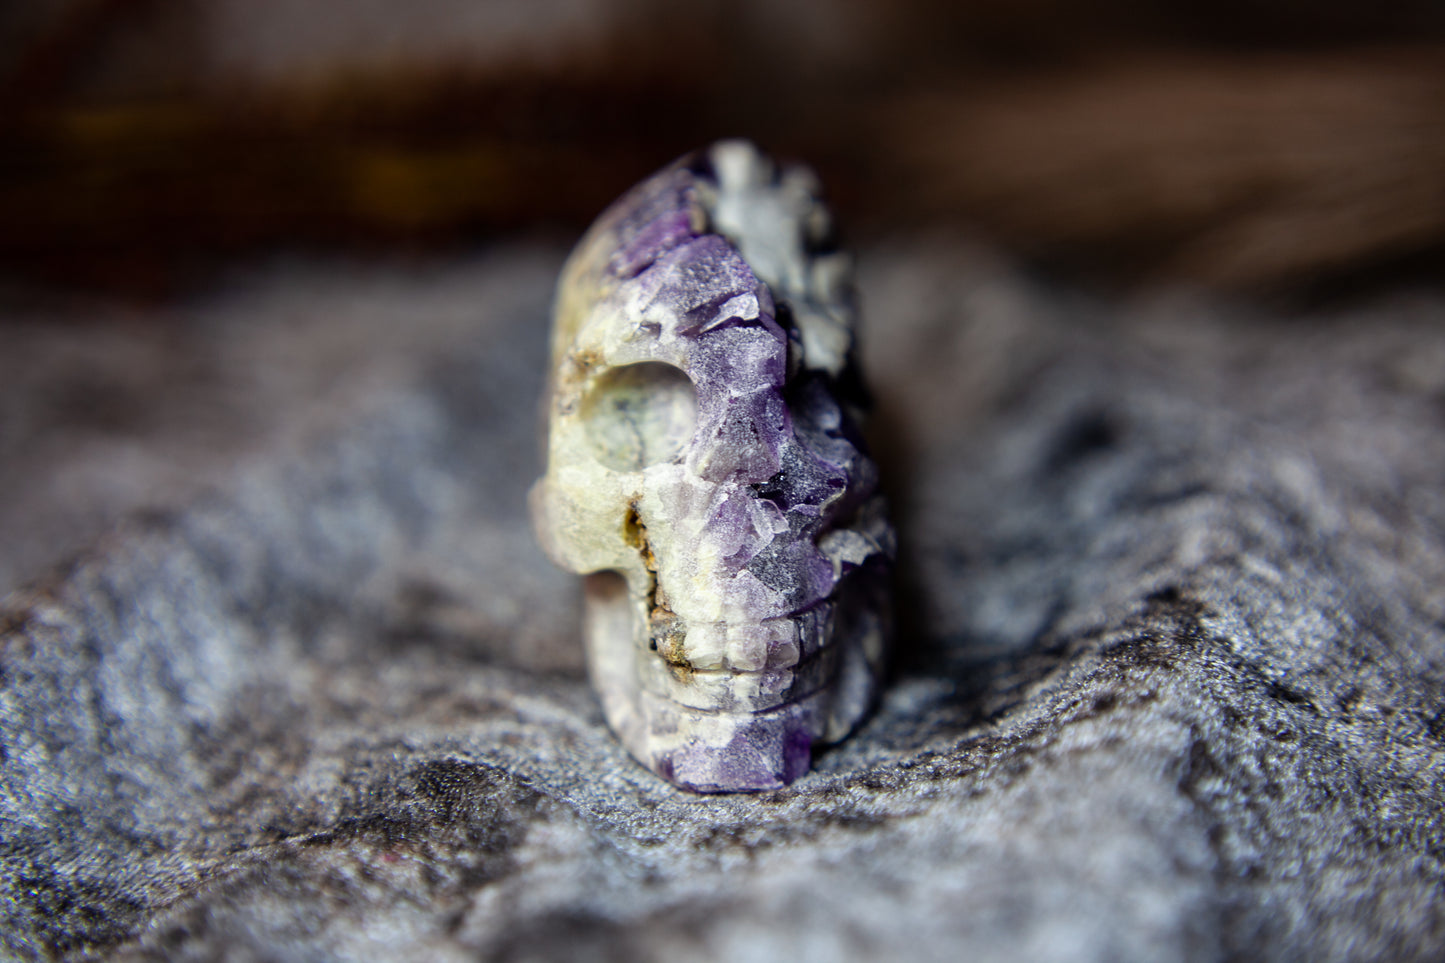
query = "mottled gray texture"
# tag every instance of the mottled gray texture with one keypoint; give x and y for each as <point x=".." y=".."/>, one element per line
<point x="1170" y="684"/>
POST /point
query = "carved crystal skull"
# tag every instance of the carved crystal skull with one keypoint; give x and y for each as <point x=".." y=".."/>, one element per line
<point x="706" y="474"/>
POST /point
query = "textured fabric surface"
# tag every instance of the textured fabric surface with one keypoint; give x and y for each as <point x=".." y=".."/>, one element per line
<point x="1169" y="682"/>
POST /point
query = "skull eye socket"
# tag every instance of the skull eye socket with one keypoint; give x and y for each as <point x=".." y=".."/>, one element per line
<point x="639" y="415"/>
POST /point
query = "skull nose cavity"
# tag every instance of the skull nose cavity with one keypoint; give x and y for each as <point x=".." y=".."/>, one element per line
<point x="639" y="415"/>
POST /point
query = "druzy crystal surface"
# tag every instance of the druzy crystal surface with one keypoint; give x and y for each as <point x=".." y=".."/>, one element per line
<point x="706" y="473"/>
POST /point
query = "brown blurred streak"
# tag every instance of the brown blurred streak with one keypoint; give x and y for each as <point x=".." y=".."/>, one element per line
<point x="97" y="193"/>
<point x="1238" y="170"/>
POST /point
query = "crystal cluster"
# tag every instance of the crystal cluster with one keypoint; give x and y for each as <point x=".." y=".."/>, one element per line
<point x="705" y="472"/>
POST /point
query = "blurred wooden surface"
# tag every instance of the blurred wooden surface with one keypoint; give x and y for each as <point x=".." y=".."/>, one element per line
<point x="1272" y="149"/>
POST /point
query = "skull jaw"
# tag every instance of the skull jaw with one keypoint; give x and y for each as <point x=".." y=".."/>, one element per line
<point x="729" y="752"/>
<point x="708" y="750"/>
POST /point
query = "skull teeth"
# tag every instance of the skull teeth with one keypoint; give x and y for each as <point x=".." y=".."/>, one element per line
<point x="734" y="692"/>
<point x="739" y="647"/>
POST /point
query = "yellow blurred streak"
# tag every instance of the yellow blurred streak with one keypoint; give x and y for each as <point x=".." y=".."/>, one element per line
<point x="415" y="189"/>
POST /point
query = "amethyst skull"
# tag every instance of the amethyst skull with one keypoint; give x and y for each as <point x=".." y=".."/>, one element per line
<point x="705" y="472"/>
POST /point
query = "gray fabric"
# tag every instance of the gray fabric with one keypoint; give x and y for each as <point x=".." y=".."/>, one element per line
<point x="1169" y="682"/>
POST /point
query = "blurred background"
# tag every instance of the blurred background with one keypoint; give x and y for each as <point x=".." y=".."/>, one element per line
<point x="1280" y="145"/>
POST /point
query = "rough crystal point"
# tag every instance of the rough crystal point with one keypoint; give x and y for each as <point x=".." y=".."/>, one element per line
<point x="706" y="473"/>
